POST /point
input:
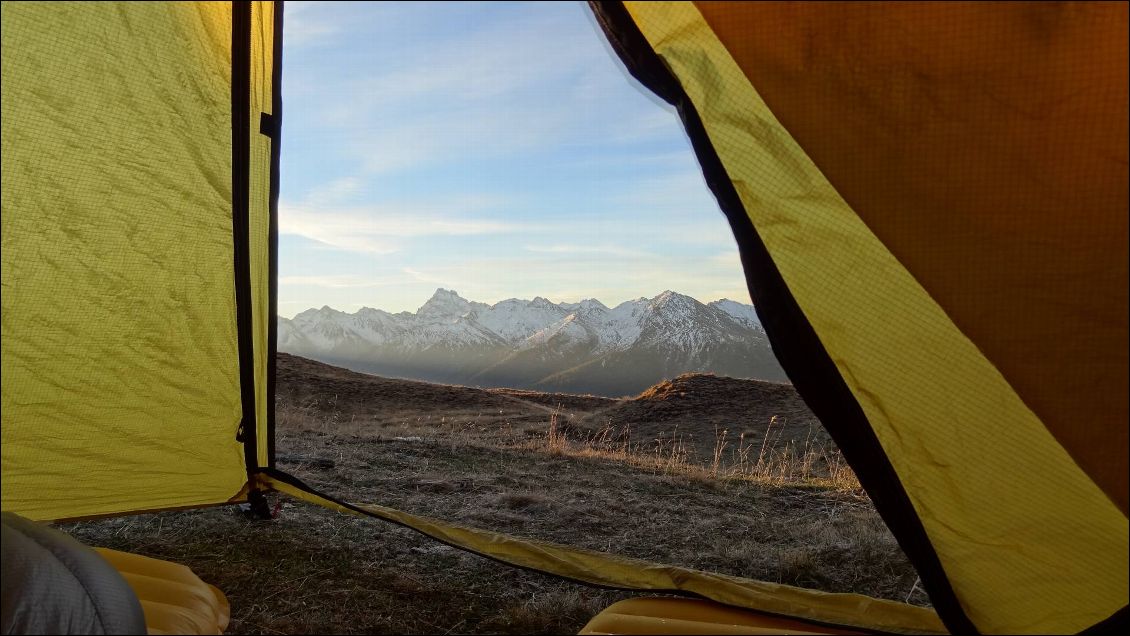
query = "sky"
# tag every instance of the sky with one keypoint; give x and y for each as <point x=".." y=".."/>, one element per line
<point x="497" y="149"/>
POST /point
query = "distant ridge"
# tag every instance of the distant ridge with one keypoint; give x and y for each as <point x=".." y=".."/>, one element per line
<point x="536" y="344"/>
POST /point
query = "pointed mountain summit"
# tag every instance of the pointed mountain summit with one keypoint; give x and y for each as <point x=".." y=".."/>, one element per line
<point x="672" y="302"/>
<point x="592" y="304"/>
<point x="538" y="344"/>
<point x="445" y="305"/>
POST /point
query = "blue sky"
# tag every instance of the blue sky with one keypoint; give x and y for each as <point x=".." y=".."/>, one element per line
<point x="499" y="150"/>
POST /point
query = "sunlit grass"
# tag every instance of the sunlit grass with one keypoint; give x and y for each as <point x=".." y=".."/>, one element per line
<point x="769" y="462"/>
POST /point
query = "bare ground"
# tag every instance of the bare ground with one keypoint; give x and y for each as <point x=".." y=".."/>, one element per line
<point x="503" y="460"/>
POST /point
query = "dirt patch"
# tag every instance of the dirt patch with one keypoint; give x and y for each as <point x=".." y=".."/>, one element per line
<point x="565" y="402"/>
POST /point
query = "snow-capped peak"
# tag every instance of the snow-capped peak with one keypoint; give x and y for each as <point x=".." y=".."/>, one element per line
<point x="447" y="317"/>
<point x="669" y="300"/>
<point x="314" y="315"/>
<point x="452" y="339"/>
<point x="515" y="320"/>
<point x="444" y="305"/>
<point x="744" y="314"/>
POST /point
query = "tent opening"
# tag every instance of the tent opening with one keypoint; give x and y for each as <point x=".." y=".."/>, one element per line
<point x="514" y="325"/>
<point x="511" y="244"/>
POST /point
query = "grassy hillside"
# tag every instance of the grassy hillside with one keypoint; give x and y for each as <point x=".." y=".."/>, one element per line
<point x="529" y="464"/>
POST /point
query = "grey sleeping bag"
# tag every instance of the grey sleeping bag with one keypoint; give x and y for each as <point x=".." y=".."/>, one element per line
<point x="52" y="584"/>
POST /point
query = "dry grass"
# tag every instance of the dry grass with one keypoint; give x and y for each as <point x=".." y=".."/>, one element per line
<point x="777" y="462"/>
<point x="756" y="505"/>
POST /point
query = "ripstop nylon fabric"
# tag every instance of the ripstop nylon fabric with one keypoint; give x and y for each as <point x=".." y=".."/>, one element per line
<point x="262" y="58"/>
<point x="1029" y="542"/>
<point x="120" y="372"/>
<point x="1006" y="125"/>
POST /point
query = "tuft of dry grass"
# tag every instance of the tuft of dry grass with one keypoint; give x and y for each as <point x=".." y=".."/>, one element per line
<point x="816" y="463"/>
<point x="767" y="504"/>
<point x="556" y="439"/>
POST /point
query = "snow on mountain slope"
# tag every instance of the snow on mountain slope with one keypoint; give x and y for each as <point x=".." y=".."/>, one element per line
<point x="744" y="314"/>
<point x="516" y="320"/>
<point x="571" y="328"/>
<point x="525" y="342"/>
<point x="446" y="307"/>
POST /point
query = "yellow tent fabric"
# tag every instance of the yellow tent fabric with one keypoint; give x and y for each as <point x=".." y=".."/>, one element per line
<point x="121" y="362"/>
<point x="1006" y="127"/>
<point x="978" y="272"/>
<point x="120" y="373"/>
<point x="610" y="570"/>
<point x="930" y="201"/>
<point x="262" y="252"/>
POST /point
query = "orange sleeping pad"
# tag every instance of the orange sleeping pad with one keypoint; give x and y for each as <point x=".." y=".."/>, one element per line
<point x="173" y="598"/>
<point x="689" y="616"/>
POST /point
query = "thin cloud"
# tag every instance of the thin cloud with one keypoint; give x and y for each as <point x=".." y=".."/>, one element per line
<point x="335" y="282"/>
<point x="336" y="191"/>
<point x="681" y="190"/>
<point x="609" y="250"/>
<point x="729" y="259"/>
<point x="493" y="89"/>
<point x="305" y="25"/>
<point x="424" y="278"/>
<point x="375" y="228"/>
<point x="413" y="106"/>
<point x="485" y="62"/>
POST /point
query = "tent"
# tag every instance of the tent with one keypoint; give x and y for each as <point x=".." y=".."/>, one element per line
<point x="930" y="202"/>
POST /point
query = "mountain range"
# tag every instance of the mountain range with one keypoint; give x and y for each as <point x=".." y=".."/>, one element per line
<point x="582" y="347"/>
